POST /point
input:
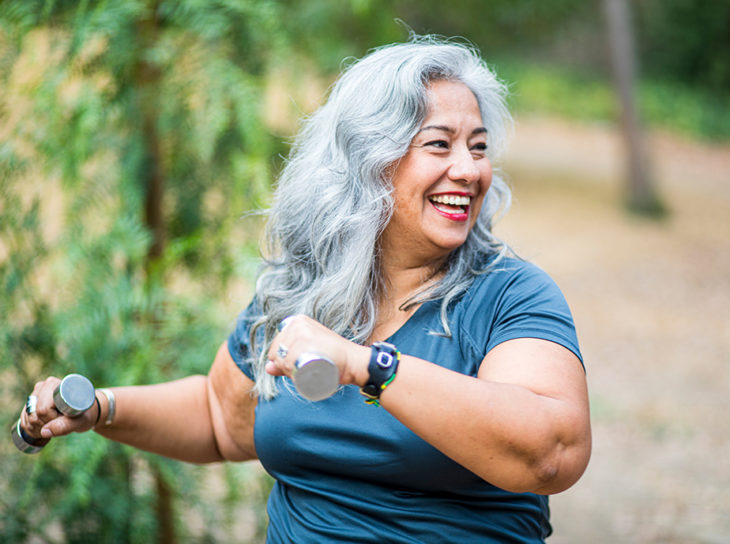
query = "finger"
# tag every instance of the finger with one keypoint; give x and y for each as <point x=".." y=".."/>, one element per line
<point x="31" y="425"/>
<point x="281" y="346"/>
<point x="27" y="426"/>
<point x="282" y="351"/>
<point x="281" y="359"/>
<point x="64" y="425"/>
<point x="45" y="407"/>
<point x="273" y="353"/>
<point x="35" y="414"/>
<point x="273" y="369"/>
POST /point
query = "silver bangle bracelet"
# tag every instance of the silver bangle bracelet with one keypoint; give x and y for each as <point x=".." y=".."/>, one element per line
<point x="112" y="403"/>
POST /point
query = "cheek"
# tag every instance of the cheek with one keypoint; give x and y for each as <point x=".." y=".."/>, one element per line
<point x="485" y="183"/>
<point x="403" y="207"/>
<point x="409" y="191"/>
<point x="486" y="177"/>
<point x="474" y="211"/>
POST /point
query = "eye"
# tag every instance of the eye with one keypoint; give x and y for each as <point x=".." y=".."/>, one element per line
<point x="440" y="144"/>
<point x="478" y="150"/>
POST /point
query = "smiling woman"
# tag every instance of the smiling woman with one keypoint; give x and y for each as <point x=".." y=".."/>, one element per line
<point x="441" y="182"/>
<point x="462" y="398"/>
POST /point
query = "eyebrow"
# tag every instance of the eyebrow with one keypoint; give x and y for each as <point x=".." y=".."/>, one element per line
<point x="479" y="130"/>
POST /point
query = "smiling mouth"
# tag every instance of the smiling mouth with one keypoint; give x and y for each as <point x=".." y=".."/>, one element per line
<point x="454" y="207"/>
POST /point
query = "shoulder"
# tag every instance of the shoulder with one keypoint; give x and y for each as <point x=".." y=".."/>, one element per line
<point x="504" y="284"/>
<point x="515" y="299"/>
<point x="510" y="277"/>
<point x="239" y="341"/>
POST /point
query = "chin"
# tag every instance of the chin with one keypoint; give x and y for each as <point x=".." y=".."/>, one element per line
<point x="450" y="244"/>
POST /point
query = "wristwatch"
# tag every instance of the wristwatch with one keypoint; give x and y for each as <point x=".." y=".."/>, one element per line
<point x="384" y="359"/>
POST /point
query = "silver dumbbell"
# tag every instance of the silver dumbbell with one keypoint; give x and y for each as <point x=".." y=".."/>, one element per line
<point x="315" y="376"/>
<point x="72" y="397"/>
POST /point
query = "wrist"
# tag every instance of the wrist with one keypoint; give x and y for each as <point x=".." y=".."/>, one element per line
<point x="107" y="407"/>
<point x="98" y="408"/>
<point x="382" y="367"/>
<point x="357" y="363"/>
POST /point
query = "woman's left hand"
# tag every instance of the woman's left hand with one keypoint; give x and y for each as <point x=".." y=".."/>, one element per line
<point x="304" y="334"/>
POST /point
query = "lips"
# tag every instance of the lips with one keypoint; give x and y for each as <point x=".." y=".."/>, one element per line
<point x="454" y="206"/>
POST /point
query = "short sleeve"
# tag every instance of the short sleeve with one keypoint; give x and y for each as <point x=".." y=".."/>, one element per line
<point x="521" y="301"/>
<point x="239" y="341"/>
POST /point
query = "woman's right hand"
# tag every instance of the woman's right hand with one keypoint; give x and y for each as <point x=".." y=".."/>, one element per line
<point x="303" y="334"/>
<point x="46" y="421"/>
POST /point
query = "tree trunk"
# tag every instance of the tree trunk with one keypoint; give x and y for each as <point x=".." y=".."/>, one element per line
<point x="152" y="177"/>
<point x="165" y="516"/>
<point x="154" y="188"/>
<point x="641" y="194"/>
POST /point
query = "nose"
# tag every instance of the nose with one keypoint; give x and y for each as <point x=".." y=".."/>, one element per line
<point x="464" y="167"/>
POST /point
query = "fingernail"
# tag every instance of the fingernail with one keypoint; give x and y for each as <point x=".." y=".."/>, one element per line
<point x="46" y="432"/>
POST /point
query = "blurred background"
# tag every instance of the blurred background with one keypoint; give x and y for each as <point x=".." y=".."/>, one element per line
<point x="137" y="136"/>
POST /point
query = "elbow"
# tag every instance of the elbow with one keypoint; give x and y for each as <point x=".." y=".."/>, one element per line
<point x="545" y="473"/>
<point x="551" y="469"/>
<point x="235" y="453"/>
<point x="560" y="468"/>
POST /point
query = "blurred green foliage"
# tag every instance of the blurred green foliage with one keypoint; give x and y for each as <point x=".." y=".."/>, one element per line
<point x="553" y="54"/>
<point x="102" y="101"/>
<point x="575" y="94"/>
<point x="687" y="42"/>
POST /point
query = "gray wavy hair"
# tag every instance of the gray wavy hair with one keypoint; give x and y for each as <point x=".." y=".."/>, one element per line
<point x="334" y="195"/>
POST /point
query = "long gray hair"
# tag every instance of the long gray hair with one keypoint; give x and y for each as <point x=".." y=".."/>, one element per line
<point x="334" y="195"/>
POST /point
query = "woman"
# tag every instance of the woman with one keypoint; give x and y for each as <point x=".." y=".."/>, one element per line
<point x="380" y="247"/>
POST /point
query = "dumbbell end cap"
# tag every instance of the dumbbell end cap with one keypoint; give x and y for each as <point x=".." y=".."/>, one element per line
<point x="25" y="443"/>
<point x="74" y="395"/>
<point x="316" y="377"/>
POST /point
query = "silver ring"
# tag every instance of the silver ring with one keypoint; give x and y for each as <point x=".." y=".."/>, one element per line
<point x="282" y="351"/>
<point x="284" y="322"/>
<point x="30" y="404"/>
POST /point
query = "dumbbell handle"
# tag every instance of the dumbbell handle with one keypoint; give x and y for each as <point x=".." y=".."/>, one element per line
<point x="72" y="397"/>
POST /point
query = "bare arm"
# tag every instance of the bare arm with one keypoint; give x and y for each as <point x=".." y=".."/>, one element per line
<point x="522" y="424"/>
<point x="172" y="419"/>
<point x="197" y="419"/>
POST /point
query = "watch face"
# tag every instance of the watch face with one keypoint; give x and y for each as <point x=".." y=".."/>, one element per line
<point x="384" y="359"/>
<point x="382" y="367"/>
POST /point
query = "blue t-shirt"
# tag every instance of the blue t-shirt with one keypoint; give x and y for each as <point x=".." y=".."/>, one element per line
<point x="350" y="472"/>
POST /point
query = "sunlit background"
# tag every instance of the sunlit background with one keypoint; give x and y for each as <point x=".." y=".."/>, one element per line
<point x="136" y="138"/>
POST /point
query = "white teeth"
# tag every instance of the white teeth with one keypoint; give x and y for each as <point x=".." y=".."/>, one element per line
<point x="452" y="200"/>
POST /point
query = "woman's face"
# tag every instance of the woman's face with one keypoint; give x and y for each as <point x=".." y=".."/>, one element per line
<point x="440" y="183"/>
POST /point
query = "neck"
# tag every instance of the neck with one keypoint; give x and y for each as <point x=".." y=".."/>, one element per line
<point x="403" y="277"/>
<point x="408" y="265"/>
<point x="402" y="282"/>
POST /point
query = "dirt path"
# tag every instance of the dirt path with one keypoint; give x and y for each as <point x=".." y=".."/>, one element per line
<point x="651" y="302"/>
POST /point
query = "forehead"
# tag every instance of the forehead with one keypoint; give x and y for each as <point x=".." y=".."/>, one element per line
<point x="451" y="98"/>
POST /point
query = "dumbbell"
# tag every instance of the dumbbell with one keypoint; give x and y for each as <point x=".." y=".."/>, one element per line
<point x="72" y="397"/>
<point x="315" y="376"/>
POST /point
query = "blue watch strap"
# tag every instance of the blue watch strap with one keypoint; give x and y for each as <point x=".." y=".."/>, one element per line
<point x="384" y="360"/>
